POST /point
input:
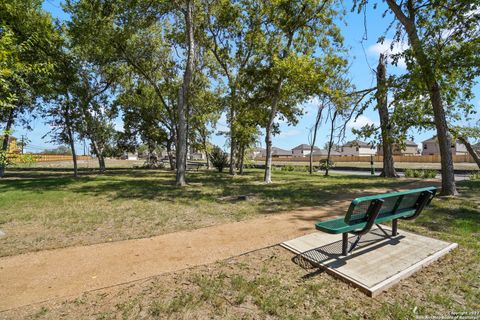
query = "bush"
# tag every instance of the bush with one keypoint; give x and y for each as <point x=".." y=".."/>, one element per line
<point x="474" y="175"/>
<point x="408" y="173"/>
<point x="421" y="173"/>
<point x="218" y="158"/>
<point x="326" y="164"/>
<point x="288" y="167"/>
<point x="429" y="174"/>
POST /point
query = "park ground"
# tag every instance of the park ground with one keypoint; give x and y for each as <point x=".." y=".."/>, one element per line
<point x="46" y="208"/>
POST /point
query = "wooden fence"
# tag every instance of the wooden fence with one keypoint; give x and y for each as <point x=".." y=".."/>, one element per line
<point x="50" y="157"/>
<point x="416" y="159"/>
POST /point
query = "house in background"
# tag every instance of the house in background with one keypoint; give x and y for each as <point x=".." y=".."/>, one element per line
<point x="196" y="155"/>
<point x="431" y="147"/>
<point x="324" y="153"/>
<point x="257" y="152"/>
<point x="357" y="148"/>
<point x="303" y="150"/>
<point x="277" y="152"/>
<point x="410" y="149"/>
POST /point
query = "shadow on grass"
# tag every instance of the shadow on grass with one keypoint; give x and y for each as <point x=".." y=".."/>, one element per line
<point x="456" y="219"/>
<point x="290" y="190"/>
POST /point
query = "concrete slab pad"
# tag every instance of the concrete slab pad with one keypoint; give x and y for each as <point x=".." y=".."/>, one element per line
<point x="376" y="264"/>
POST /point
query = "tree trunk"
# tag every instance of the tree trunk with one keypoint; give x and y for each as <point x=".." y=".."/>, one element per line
<point x="98" y="153"/>
<point x="314" y="138"/>
<point x="74" y="153"/>
<point x="71" y="139"/>
<point x="207" y="155"/>
<point x="181" y="150"/>
<point x="242" y="157"/>
<point x="232" y="141"/>
<point x="430" y="80"/>
<point x="6" y="138"/>
<point x="330" y="142"/>
<point x="445" y="142"/>
<point x="267" y="178"/>
<point x="470" y="150"/>
<point x="170" y="154"/>
<point x="385" y="126"/>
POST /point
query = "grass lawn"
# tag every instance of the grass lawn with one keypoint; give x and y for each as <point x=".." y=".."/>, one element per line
<point x="47" y="208"/>
<point x="266" y="284"/>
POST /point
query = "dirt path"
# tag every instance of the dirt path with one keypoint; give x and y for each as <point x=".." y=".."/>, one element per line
<point x="40" y="276"/>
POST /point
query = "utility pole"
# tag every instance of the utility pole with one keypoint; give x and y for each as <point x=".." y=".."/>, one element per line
<point x="84" y="148"/>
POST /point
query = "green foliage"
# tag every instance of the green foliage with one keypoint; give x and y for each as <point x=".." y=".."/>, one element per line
<point x="27" y="41"/>
<point x="58" y="150"/>
<point x="446" y="52"/>
<point x="5" y="160"/>
<point x="218" y="158"/>
<point x="474" y="176"/>
<point x="288" y="168"/>
<point x="421" y="173"/>
<point x="326" y="164"/>
<point x="26" y="159"/>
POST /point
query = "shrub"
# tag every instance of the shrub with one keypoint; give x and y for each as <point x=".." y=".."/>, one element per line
<point x="218" y="158"/>
<point x="326" y="164"/>
<point x="288" y="167"/>
<point x="413" y="173"/>
<point x="408" y="173"/>
<point x="429" y="174"/>
<point x="474" y="175"/>
<point x="5" y="161"/>
<point x="421" y="173"/>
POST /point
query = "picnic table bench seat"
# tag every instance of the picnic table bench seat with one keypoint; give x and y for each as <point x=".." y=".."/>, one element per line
<point x="364" y="212"/>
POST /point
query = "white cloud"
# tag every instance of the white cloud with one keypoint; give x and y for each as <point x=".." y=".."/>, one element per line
<point x="289" y="133"/>
<point x="387" y="48"/>
<point x="360" y="122"/>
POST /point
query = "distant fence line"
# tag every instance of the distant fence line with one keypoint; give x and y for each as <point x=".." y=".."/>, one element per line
<point x="422" y="159"/>
<point x="50" y="157"/>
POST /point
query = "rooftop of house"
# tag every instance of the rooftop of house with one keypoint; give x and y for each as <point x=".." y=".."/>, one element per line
<point x="411" y="143"/>
<point x="434" y="139"/>
<point x="305" y="146"/>
<point x="324" y="152"/>
<point x="280" y="151"/>
<point x="357" y="143"/>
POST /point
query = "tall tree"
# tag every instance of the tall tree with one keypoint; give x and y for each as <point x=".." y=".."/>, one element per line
<point x="300" y="50"/>
<point x="313" y="132"/>
<point x="385" y="125"/>
<point x="27" y="35"/>
<point x="232" y="29"/>
<point x="442" y="61"/>
<point x="184" y="92"/>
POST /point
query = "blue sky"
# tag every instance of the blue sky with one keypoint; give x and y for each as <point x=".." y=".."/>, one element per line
<point x="363" y="56"/>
